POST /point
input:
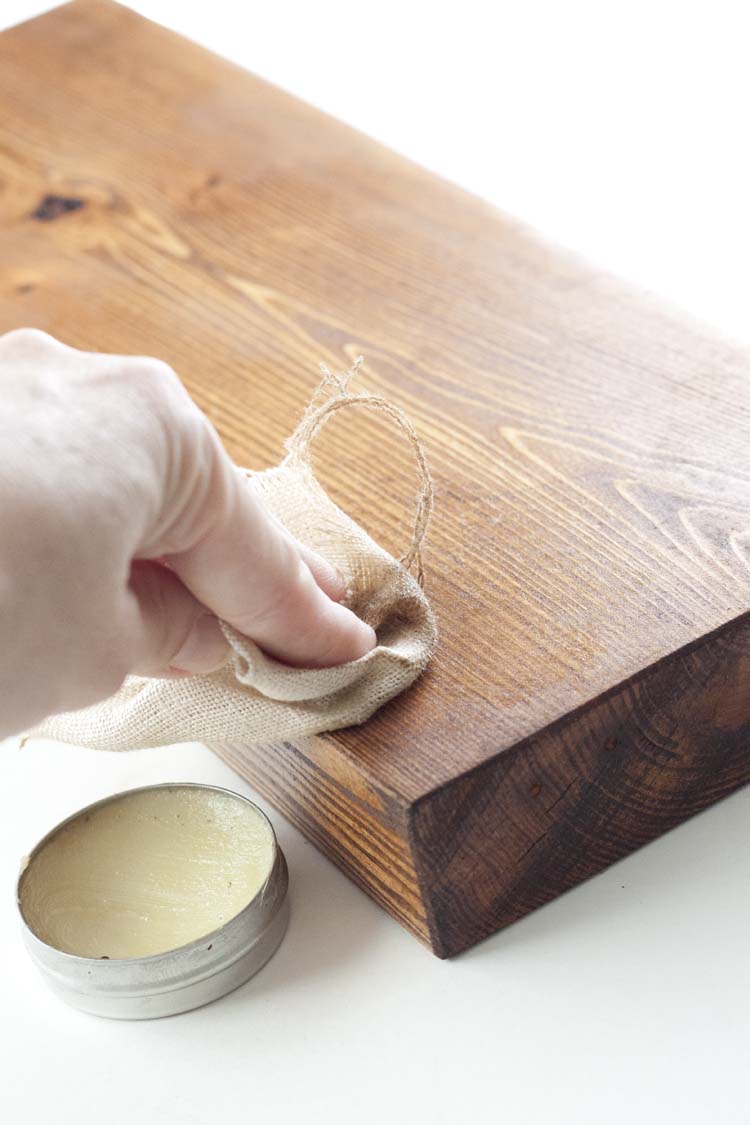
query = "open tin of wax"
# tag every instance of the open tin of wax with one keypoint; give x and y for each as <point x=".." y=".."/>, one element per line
<point x="154" y="901"/>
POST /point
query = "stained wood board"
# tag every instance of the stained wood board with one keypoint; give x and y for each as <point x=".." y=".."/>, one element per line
<point x="588" y="562"/>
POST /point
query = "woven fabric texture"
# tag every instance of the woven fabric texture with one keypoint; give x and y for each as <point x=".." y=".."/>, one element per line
<point x="253" y="698"/>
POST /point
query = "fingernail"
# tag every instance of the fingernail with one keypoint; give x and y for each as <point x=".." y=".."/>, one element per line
<point x="205" y="648"/>
<point x="369" y="638"/>
<point x="339" y="574"/>
<point x="344" y="589"/>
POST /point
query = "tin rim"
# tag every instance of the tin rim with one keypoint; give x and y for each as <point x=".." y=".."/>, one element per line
<point x="152" y="958"/>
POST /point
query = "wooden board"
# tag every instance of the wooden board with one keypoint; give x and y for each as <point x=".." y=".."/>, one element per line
<point x="589" y="558"/>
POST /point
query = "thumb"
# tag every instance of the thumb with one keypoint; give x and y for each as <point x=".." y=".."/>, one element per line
<point x="250" y="572"/>
<point x="170" y="631"/>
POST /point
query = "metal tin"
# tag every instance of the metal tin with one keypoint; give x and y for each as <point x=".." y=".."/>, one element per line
<point x="179" y="979"/>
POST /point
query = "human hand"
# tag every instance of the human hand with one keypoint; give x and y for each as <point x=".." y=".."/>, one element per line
<point x="127" y="531"/>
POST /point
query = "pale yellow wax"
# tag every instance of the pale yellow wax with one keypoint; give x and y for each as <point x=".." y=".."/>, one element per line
<point x="147" y="872"/>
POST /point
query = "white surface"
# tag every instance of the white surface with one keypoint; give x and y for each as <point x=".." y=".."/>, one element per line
<point x="623" y="1001"/>
<point x="617" y="129"/>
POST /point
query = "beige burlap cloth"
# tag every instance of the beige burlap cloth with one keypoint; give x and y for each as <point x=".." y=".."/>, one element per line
<point x="253" y="698"/>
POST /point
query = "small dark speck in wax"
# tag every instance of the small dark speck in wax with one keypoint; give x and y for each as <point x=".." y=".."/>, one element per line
<point x="104" y="957"/>
<point x="53" y="206"/>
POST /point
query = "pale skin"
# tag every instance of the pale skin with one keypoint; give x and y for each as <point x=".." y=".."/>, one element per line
<point x="126" y="532"/>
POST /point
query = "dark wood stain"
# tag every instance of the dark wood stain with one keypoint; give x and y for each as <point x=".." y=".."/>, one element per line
<point x="588" y="559"/>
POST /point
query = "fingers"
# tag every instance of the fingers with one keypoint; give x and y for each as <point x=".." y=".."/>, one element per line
<point x="169" y="630"/>
<point x="327" y="576"/>
<point x="249" y="571"/>
<point x="234" y="557"/>
<point x="24" y="341"/>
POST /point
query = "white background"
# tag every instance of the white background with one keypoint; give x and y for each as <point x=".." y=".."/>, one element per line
<point x="621" y="130"/>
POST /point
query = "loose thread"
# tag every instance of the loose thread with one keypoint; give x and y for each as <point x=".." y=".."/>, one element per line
<point x="318" y="413"/>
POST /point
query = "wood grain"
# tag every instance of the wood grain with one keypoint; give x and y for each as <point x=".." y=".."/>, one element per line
<point x="589" y="559"/>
